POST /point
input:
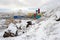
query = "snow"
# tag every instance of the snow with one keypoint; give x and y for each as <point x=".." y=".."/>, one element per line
<point x="46" y="29"/>
<point x="23" y="25"/>
<point x="43" y="30"/>
<point x="18" y="24"/>
<point x="12" y="27"/>
<point x="57" y="13"/>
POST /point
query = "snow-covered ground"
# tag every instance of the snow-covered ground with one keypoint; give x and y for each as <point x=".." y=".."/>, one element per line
<point x="45" y="28"/>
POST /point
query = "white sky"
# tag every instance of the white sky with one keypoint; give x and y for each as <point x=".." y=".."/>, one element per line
<point x="23" y="4"/>
<point x="15" y="4"/>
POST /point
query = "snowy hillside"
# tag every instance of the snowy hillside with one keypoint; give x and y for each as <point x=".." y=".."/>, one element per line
<point x="46" y="28"/>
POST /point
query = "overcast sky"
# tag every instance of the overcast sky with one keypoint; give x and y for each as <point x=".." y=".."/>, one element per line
<point x="21" y="3"/>
<point x="16" y="4"/>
